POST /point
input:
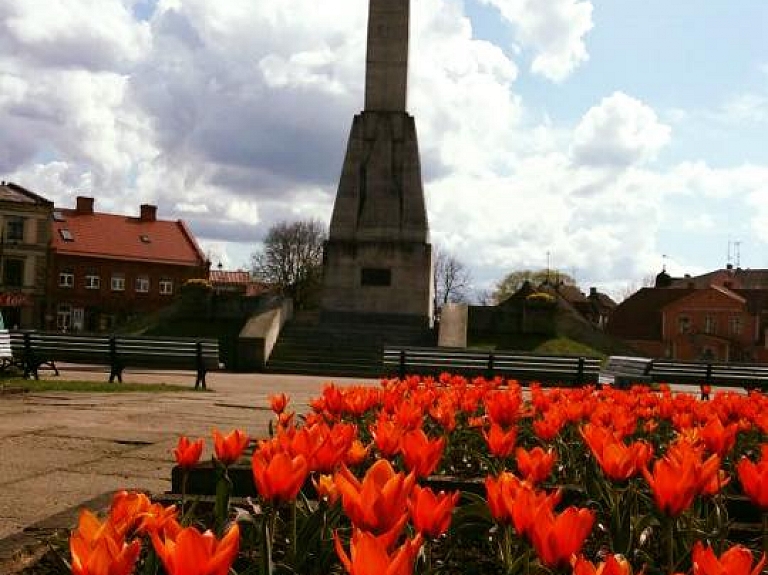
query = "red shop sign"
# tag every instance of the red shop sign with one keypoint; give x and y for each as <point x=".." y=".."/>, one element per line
<point x="15" y="300"/>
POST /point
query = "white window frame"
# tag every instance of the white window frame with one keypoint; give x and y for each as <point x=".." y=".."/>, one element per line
<point x="118" y="282"/>
<point x="66" y="279"/>
<point x="92" y="281"/>
<point x="142" y="284"/>
<point x="166" y="287"/>
<point x="710" y="324"/>
<point x="64" y="317"/>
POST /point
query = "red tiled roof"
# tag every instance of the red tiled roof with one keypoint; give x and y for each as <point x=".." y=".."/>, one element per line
<point x="639" y="316"/>
<point x="226" y="277"/>
<point x="120" y="237"/>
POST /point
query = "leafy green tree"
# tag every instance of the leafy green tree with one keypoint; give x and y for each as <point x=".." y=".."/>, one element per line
<point x="514" y="280"/>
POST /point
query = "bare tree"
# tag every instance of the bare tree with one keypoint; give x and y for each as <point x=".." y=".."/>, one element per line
<point x="452" y="279"/>
<point x="634" y="286"/>
<point x="292" y="259"/>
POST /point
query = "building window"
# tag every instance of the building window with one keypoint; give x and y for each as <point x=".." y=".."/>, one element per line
<point x="118" y="282"/>
<point x="709" y="324"/>
<point x="735" y="325"/>
<point x="64" y="317"/>
<point x="66" y="235"/>
<point x="166" y="287"/>
<point x="66" y="278"/>
<point x="683" y="324"/>
<point x="92" y="280"/>
<point x="142" y="284"/>
<point x="13" y="272"/>
<point x="14" y="229"/>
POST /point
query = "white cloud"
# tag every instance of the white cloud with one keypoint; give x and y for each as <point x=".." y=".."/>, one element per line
<point x="619" y="132"/>
<point x="554" y="29"/>
<point x="90" y="34"/>
<point x="748" y="107"/>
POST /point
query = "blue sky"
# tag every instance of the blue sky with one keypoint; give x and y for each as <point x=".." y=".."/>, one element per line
<point x="605" y="132"/>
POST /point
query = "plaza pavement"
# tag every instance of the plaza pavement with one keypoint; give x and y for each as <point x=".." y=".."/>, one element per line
<point x="60" y="450"/>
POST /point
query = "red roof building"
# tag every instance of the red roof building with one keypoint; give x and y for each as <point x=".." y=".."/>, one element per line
<point x="695" y="323"/>
<point x="109" y="268"/>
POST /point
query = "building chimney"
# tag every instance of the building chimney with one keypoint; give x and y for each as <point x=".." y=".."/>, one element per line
<point x="84" y="205"/>
<point x="593" y="292"/>
<point x="148" y="213"/>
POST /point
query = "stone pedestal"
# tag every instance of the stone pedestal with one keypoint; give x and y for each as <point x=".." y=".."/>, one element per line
<point x="378" y="259"/>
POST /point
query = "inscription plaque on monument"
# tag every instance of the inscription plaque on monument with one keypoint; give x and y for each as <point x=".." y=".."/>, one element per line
<point x="379" y="222"/>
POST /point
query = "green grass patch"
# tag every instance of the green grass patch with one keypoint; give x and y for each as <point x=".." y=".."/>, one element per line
<point x="33" y="386"/>
<point x="536" y="344"/>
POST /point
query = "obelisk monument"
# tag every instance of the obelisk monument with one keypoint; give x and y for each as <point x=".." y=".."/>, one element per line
<point x="378" y="260"/>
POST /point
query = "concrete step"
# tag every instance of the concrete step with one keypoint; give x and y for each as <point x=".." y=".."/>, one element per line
<point x="339" y="349"/>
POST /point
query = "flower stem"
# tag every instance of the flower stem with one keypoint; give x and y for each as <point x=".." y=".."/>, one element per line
<point x="671" y="545"/>
<point x="765" y="532"/>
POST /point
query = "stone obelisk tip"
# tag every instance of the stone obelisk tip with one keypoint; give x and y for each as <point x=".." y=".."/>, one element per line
<point x="386" y="64"/>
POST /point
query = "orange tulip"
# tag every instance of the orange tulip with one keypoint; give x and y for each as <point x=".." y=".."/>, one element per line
<point x="613" y="565"/>
<point x="187" y="453"/>
<point x="127" y="509"/>
<point x="379" y="502"/>
<point x="528" y="504"/>
<point x="195" y="553"/>
<point x="430" y="512"/>
<point x="420" y="454"/>
<point x="719" y="438"/>
<point x="754" y="479"/>
<point x="386" y="435"/>
<point x="369" y="555"/>
<point x="230" y="447"/>
<point x="678" y="477"/>
<point x="326" y="488"/>
<point x="503" y="407"/>
<point x="535" y="465"/>
<point x="618" y="461"/>
<point x="500" y="443"/>
<point x="98" y="548"/>
<point x="735" y="561"/>
<point x="557" y="538"/>
<point x="356" y="453"/>
<point x="279" y="478"/>
<point x="500" y="494"/>
<point x="278" y="403"/>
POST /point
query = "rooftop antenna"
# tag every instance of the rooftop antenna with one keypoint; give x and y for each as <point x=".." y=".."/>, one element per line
<point x="728" y="260"/>
<point x="663" y="262"/>
<point x="737" y="253"/>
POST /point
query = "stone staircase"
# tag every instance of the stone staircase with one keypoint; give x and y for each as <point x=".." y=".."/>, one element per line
<point x="306" y="346"/>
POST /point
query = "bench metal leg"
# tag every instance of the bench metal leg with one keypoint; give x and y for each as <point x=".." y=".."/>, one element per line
<point x="116" y="372"/>
<point x="200" y="379"/>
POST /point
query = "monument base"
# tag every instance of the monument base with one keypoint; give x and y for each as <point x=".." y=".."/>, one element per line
<point x="376" y="281"/>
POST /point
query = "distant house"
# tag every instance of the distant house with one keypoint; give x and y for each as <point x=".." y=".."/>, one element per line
<point x="237" y="282"/>
<point x="694" y="321"/>
<point x="596" y="307"/>
<point x="24" y="236"/>
<point x="109" y="268"/>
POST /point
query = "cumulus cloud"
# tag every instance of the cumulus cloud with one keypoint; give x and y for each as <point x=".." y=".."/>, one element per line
<point x="554" y="30"/>
<point x="618" y="132"/>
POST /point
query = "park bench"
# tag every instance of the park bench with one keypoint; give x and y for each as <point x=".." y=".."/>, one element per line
<point x="623" y="371"/>
<point x="525" y="367"/>
<point x="627" y="370"/>
<point x="33" y="349"/>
